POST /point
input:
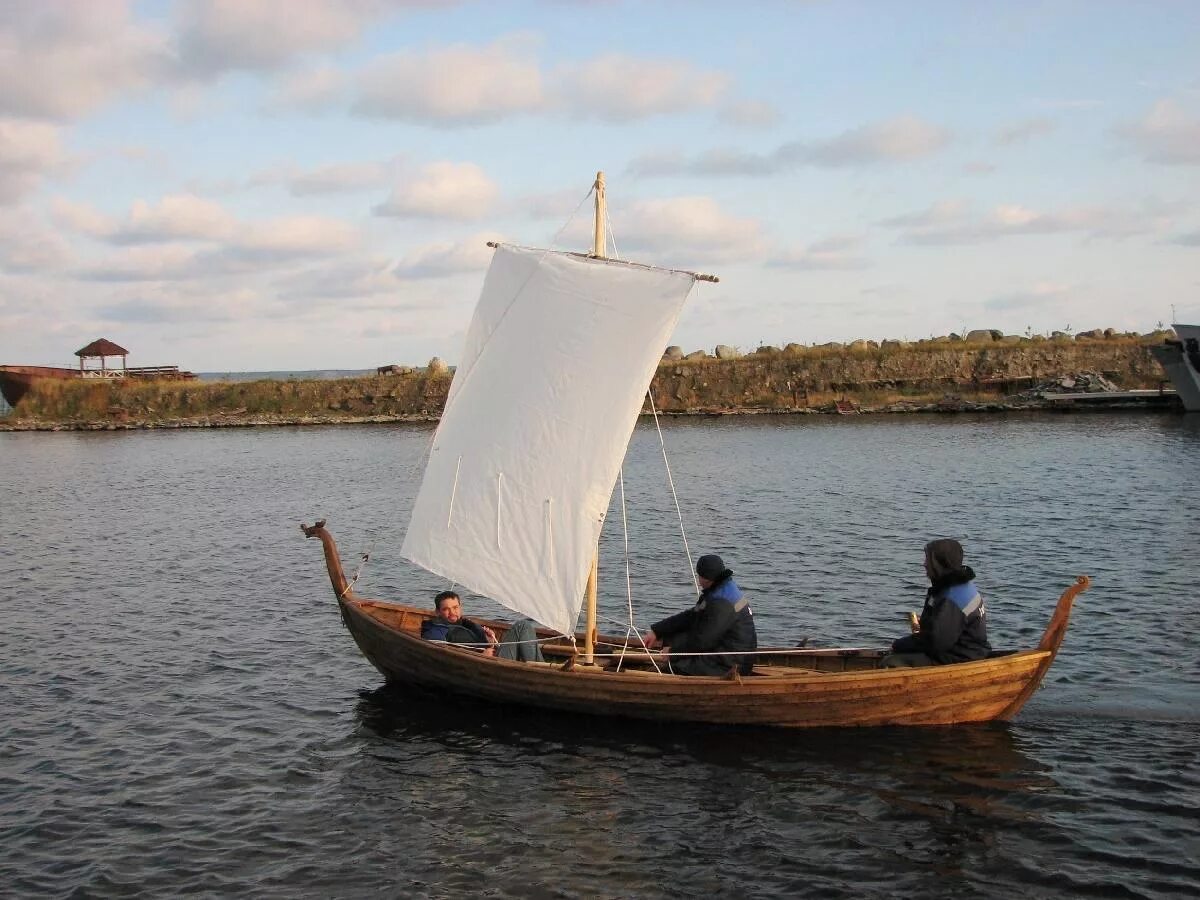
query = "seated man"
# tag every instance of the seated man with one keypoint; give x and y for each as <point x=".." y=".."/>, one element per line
<point x="953" y="626"/>
<point x="519" y="643"/>
<point x="720" y="621"/>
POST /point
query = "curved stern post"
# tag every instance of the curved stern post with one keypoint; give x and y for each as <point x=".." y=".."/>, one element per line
<point x="333" y="563"/>
<point x="1057" y="629"/>
<point x="1052" y="639"/>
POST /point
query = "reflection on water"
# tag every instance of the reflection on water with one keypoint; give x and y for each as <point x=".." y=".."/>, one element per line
<point x="186" y="714"/>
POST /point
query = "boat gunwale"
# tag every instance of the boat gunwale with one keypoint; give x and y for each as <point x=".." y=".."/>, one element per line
<point x="903" y="675"/>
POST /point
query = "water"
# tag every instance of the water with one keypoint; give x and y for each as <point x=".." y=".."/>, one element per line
<point x="184" y="712"/>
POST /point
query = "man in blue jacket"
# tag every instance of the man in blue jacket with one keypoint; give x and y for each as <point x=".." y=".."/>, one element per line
<point x="520" y="642"/>
<point x="720" y="623"/>
<point x="953" y="624"/>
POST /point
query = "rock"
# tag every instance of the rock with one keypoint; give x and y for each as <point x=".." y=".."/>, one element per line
<point x="437" y="366"/>
<point x="832" y="345"/>
<point x="794" y="348"/>
<point x="860" y="344"/>
<point x="1094" y="335"/>
<point x="1011" y="339"/>
<point x="673" y="353"/>
<point x="892" y="344"/>
<point x="981" y="336"/>
<point x="724" y="351"/>
<point x="767" y="350"/>
<point x="697" y="354"/>
<point x="954" y="338"/>
<point x="1110" y="333"/>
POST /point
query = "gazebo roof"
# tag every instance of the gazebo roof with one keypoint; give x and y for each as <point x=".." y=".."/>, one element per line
<point x="101" y="347"/>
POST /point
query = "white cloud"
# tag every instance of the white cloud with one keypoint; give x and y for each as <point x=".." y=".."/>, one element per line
<point x="750" y="113"/>
<point x="901" y="138"/>
<point x="26" y="245"/>
<point x="1020" y="132"/>
<point x="443" y="190"/>
<point x="895" y="140"/>
<point x="954" y="222"/>
<point x="340" y="279"/>
<point x="294" y="236"/>
<point x="619" y="88"/>
<point x="340" y="177"/>
<point x="1040" y="295"/>
<point x="80" y="218"/>
<point x="1166" y="134"/>
<point x="690" y="228"/>
<point x="61" y="59"/>
<point x="244" y="249"/>
<point x="840" y="252"/>
<point x="29" y="151"/>
<point x="222" y="35"/>
<point x="177" y="217"/>
<point x="163" y="262"/>
<point x="314" y="90"/>
<point x="456" y="85"/>
<point x="466" y="85"/>
<point x="471" y="254"/>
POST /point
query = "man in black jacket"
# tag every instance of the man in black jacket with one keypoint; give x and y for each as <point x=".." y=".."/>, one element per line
<point x="953" y="625"/>
<point x="720" y="622"/>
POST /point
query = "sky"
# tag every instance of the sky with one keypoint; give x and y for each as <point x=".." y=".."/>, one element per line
<point x="252" y="185"/>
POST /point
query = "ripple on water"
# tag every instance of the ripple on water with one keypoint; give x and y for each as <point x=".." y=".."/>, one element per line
<point x="190" y="716"/>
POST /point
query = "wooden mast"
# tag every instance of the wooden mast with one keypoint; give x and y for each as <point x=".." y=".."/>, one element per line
<point x="589" y="632"/>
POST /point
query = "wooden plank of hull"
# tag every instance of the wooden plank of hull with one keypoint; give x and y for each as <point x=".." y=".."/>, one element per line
<point x="938" y="695"/>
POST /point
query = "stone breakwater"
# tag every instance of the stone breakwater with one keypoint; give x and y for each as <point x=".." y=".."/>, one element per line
<point x="929" y="376"/>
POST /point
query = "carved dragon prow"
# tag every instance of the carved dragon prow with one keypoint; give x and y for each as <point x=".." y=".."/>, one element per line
<point x="1057" y="629"/>
<point x="1052" y="639"/>
<point x="333" y="563"/>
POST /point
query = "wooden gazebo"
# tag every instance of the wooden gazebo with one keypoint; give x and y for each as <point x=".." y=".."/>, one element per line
<point x="101" y="349"/>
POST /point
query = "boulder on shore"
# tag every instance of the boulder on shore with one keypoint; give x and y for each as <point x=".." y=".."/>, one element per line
<point x="724" y="351"/>
<point x="673" y="353"/>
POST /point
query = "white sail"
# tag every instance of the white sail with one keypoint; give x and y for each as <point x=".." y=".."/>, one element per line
<point x="555" y="368"/>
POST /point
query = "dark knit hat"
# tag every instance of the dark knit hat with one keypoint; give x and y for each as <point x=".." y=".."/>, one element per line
<point x="710" y="566"/>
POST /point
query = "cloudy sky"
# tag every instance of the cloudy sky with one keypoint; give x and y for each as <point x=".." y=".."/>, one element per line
<point x="300" y="184"/>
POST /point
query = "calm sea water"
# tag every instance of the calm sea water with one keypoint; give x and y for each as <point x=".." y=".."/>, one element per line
<point x="184" y="713"/>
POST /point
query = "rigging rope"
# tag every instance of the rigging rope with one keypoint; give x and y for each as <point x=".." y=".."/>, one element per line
<point x="414" y="469"/>
<point x="674" y="495"/>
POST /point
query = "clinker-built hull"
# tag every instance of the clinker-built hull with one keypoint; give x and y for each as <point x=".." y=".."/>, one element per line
<point x="810" y="688"/>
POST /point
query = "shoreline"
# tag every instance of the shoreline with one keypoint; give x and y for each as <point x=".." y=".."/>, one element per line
<point x="1168" y="403"/>
<point x="932" y="379"/>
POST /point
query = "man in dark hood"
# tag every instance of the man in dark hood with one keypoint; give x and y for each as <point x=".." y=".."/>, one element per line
<point x="953" y="625"/>
<point x="720" y="623"/>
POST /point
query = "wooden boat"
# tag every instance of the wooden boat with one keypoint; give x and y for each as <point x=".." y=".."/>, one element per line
<point x="789" y="688"/>
<point x="520" y="473"/>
